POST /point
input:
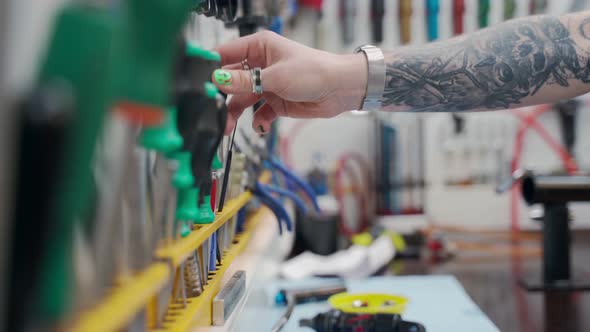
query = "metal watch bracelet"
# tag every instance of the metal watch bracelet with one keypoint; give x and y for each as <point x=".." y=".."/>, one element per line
<point x="376" y="77"/>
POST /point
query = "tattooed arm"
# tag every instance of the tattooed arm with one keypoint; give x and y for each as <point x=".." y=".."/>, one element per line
<point x="517" y="63"/>
<point x="527" y="61"/>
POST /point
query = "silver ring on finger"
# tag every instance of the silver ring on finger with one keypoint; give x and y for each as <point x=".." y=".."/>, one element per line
<point x="256" y="76"/>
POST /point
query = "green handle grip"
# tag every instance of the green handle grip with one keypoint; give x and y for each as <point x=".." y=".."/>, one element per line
<point x="84" y="69"/>
<point x="145" y="48"/>
<point x="183" y="177"/>
<point x="164" y="138"/>
<point x="206" y="215"/>
<point x="483" y="13"/>
<point x="187" y="208"/>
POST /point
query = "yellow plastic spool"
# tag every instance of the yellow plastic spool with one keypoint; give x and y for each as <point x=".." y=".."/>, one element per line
<point x="368" y="303"/>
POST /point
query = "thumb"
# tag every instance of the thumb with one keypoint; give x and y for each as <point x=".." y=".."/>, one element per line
<point x="235" y="82"/>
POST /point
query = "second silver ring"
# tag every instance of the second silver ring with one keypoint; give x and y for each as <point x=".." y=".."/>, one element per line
<point x="256" y="77"/>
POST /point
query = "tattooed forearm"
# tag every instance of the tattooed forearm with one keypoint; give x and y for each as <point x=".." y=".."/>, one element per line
<point x="496" y="68"/>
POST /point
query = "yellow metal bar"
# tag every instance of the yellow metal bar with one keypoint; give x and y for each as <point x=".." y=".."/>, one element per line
<point x="179" y="251"/>
<point x="198" y="309"/>
<point x="125" y="301"/>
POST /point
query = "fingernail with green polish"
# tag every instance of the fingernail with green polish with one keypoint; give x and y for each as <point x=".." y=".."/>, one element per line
<point x="222" y="77"/>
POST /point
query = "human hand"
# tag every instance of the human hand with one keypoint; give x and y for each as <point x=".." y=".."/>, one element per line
<point x="298" y="81"/>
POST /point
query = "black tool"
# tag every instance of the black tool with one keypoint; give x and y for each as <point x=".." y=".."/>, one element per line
<point x="202" y="114"/>
<point x="377" y="14"/>
<point x="293" y="297"/>
<point x="230" y="154"/>
<point x="45" y="117"/>
<point x="338" y="321"/>
<point x="250" y="21"/>
<point x="224" y="10"/>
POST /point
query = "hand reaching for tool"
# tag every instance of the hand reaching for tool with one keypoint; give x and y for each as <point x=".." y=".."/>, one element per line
<point x="533" y="60"/>
<point x="297" y="81"/>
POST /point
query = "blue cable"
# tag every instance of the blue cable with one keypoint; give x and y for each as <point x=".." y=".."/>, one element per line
<point x="300" y="183"/>
<point x="275" y="205"/>
<point x="289" y="194"/>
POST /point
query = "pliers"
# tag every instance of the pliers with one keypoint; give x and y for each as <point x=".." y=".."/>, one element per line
<point x="272" y="162"/>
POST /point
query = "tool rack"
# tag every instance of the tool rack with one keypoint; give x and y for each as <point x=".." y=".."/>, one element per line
<point x="139" y="293"/>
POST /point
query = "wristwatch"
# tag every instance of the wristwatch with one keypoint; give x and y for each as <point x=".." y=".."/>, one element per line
<point x="376" y="77"/>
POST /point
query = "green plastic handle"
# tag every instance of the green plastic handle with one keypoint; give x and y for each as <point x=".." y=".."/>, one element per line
<point x="145" y="49"/>
<point x="484" y="13"/>
<point x="509" y="9"/>
<point x="164" y="138"/>
<point x="183" y="177"/>
<point x="206" y="215"/>
<point x="84" y="69"/>
<point x="185" y="229"/>
<point x="187" y="208"/>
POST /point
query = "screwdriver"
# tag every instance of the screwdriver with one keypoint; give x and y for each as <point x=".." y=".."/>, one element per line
<point x="405" y="18"/>
<point x="347" y="16"/>
<point x="91" y="30"/>
<point x="509" y="9"/>
<point x="207" y="120"/>
<point x="483" y="13"/>
<point x="458" y="16"/>
<point x="203" y="123"/>
<point x="165" y="140"/>
<point x="44" y="118"/>
<point x="537" y="6"/>
<point x="432" y="11"/>
<point x="377" y="15"/>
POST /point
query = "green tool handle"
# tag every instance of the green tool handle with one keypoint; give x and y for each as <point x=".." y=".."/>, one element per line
<point x="83" y="69"/>
<point x="483" y="13"/>
<point x="145" y="49"/>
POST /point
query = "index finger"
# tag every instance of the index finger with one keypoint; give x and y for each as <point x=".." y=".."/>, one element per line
<point x="251" y="48"/>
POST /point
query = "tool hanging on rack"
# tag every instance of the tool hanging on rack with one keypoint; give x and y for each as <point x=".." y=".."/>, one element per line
<point x="347" y="18"/>
<point x="405" y="21"/>
<point x="509" y="9"/>
<point x="483" y="13"/>
<point x="537" y="6"/>
<point x="458" y="16"/>
<point x="377" y="16"/>
<point x="432" y="12"/>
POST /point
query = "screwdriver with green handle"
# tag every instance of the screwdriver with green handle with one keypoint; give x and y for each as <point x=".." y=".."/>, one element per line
<point x="111" y="53"/>
<point x="204" y="115"/>
<point x="167" y="139"/>
<point x="200" y="118"/>
<point x="509" y="9"/>
<point x="483" y="13"/>
<point x="91" y="30"/>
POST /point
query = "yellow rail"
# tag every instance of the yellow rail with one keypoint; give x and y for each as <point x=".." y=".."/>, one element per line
<point x="179" y="251"/>
<point x="137" y="293"/>
<point x="125" y="301"/>
<point x="198" y="310"/>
